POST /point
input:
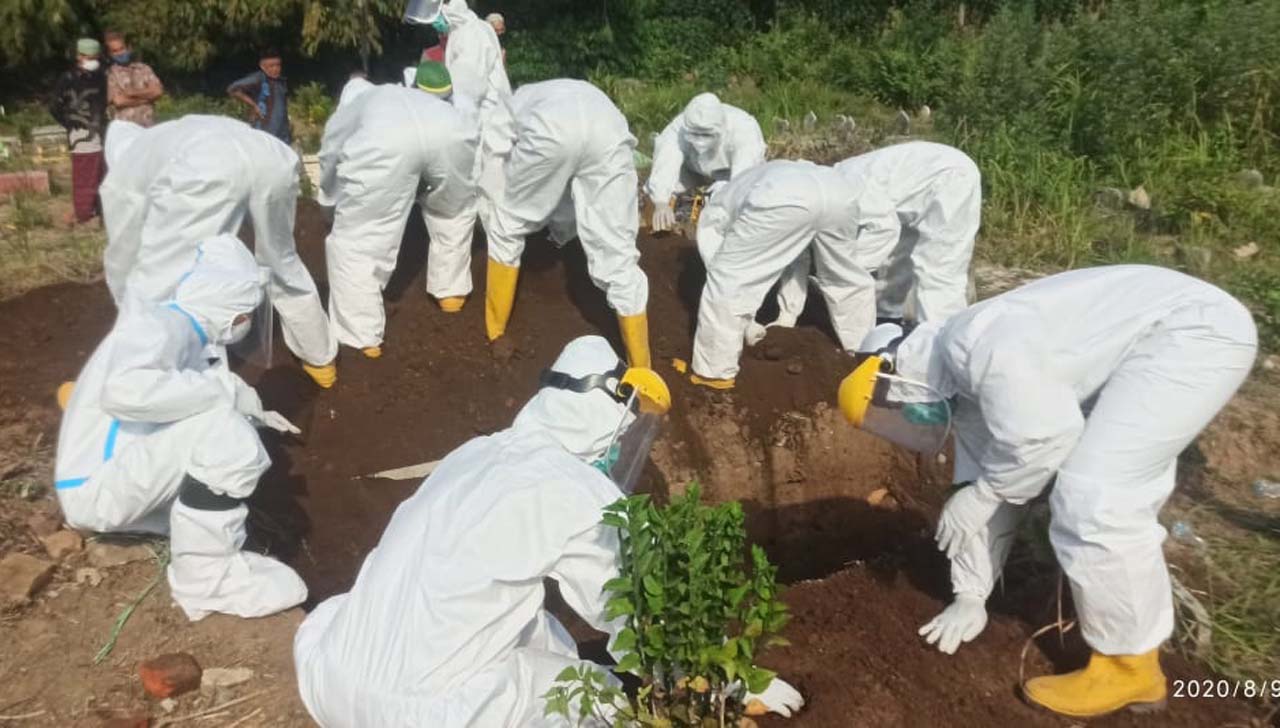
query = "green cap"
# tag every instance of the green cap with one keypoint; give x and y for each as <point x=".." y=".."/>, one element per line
<point x="434" y="78"/>
<point x="88" y="47"/>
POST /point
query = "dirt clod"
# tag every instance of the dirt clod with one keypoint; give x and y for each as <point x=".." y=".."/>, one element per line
<point x="795" y="367"/>
<point x="62" y="544"/>
<point x="503" y="350"/>
<point x="21" y="577"/>
<point x="88" y="575"/>
<point x="106" y="555"/>
<point x="170" y="674"/>
<point x="216" y="678"/>
<point x="43" y="524"/>
<point x="774" y="352"/>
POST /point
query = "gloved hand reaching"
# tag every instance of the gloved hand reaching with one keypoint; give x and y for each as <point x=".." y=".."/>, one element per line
<point x="778" y="698"/>
<point x="664" y="218"/>
<point x="277" y="422"/>
<point x="965" y="513"/>
<point x="961" y="621"/>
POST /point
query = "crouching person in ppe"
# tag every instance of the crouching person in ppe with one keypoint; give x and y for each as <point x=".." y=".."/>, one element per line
<point x="751" y="230"/>
<point x="382" y="150"/>
<point x="158" y="437"/>
<point x="445" y="625"/>
<point x="708" y="142"/>
<point x="572" y="169"/>
<point x="919" y="205"/>
<point x="190" y="179"/>
<point x="1097" y="379"/>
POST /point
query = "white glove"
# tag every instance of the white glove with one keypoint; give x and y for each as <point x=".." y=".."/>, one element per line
<point x="754" y="334"/>
<point x="965" y="513"/>
<point x="778" y="698"/>
<point x="961" y="621"/>
<point x="664" y="218"/>
<point x="277" y="422"/>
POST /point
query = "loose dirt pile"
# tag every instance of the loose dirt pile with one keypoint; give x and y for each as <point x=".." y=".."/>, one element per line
<point x="844" y="515"/>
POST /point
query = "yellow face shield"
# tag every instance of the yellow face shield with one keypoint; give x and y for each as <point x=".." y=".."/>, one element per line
<point x="902" y="411"/>
<point x="648" y="402"/>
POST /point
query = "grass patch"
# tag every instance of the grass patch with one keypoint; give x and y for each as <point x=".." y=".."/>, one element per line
<point x="37" y="251"/>
<point x="1244" y="604"/>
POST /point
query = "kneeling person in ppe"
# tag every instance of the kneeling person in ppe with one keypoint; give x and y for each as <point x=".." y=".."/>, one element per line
<point x="445" y="625"/>
<point x="1096" y="379"/>
<point x="190" y="179"/>
<point x="750" y="231"/>
<point x="918" y="205"/>
<point x="572" y="169"/>
<point x="382" y="150"/>
<point x="708" y="142"/>
<point x="158" y="437"/>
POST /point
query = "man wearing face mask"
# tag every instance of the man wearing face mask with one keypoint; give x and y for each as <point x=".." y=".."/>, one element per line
<point x="132" y="87"/>
<point x="196" y="177"/>
<point x="1095" y="381"/>
<point x="79" y="103"/>
<point x="445" y="625"/>
<point x="708" y="142"/>
<point x="158" y="437"/>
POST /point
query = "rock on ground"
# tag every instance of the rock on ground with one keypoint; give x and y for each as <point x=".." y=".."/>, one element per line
<point x="21" y="576"/>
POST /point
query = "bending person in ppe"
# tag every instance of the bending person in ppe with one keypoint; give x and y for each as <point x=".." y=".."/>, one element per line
<point x="572" y="169"/>
<point x="1096" y="379"/>
<point x="750" y="232"/>
<point x="386" y="148"/>
<point x="445" y="625"/>
<point x="183" y="181"/>
<point x="473" y="56"/>
<point x="708" y="142"/>
<point x="158" y="437"/>
<point x="919" y="205"/>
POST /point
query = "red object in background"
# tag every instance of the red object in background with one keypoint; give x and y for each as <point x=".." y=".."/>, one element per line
<point x="435" y="52"/>
<point x="87" y="171"/>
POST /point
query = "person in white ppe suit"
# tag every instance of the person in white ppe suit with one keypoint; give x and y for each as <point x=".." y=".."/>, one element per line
<point x="186" y="180"/>
<point x="473" y="56"/>
<point x="572" y="169"/>
<point x="158" y="437"/>
<point x="750" y="232"/>
<point x="378" y="150"/>
<point x="445" y="625"/>
<point x="919" y="205"/>
<point x="1096" y="379"/>
<point x="710" y="141"/>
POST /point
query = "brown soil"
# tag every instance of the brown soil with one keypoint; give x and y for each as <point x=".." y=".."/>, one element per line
<point x="774" y="443"/>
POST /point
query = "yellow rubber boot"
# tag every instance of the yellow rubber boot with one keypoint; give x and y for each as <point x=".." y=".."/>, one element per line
<point x="1107" y="684"/>
<point x="452" y="304"/>
<point x="499" y="297"/>
<point x="64" y="394"/>
<point x="635" y="337"/>
<point x="373" y="352"/>
<point x="324" y="375"/>
<point x="721" y="384"/>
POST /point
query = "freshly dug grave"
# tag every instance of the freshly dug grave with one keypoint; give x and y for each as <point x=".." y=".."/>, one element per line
<point x="844" y="515"/>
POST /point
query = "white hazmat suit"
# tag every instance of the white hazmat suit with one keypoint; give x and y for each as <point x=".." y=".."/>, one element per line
<point x="445" y="625"/>
<point x="1152" y="354"/>
<point x="155" y="438"/>
<point x="187" y="180"/>
<point x="751" y="231"/>
<point x="572" y="168"/>
<point x="378" y="149"/>
<point x="709" y="141"/>
<point x="919" y="205"/>
<point x="473" y="56"/>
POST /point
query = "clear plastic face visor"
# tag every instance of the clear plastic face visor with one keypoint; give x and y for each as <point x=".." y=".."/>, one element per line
<point x="647" y="401"/>
<point x="256" y="348"/>
<point x="422" y="12"/>
<point x="905" y="412"/>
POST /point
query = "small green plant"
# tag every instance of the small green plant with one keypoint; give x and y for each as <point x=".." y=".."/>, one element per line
<point x="695" y="618"/>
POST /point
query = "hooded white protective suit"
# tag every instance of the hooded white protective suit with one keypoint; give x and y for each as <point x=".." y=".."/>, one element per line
<point x="445" y="625"/>
<point x="756" y="226"/>
<point x="919" y="205"/>
<point x="187" y="180"/>
<point x="572" y="168"/>
<point x="473" y="56"/>
<point x="377" y="150"/>
<point x="709" y="141"/>
<point x="150" y="413"/>
<point x="1152" y="355"/>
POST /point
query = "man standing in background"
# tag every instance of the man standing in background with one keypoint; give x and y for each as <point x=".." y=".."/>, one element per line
<point x="132" y="87"/>
<point x="499" y="24"/>
<point x="266" y="93"/>
<point x="79" y="103"/>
